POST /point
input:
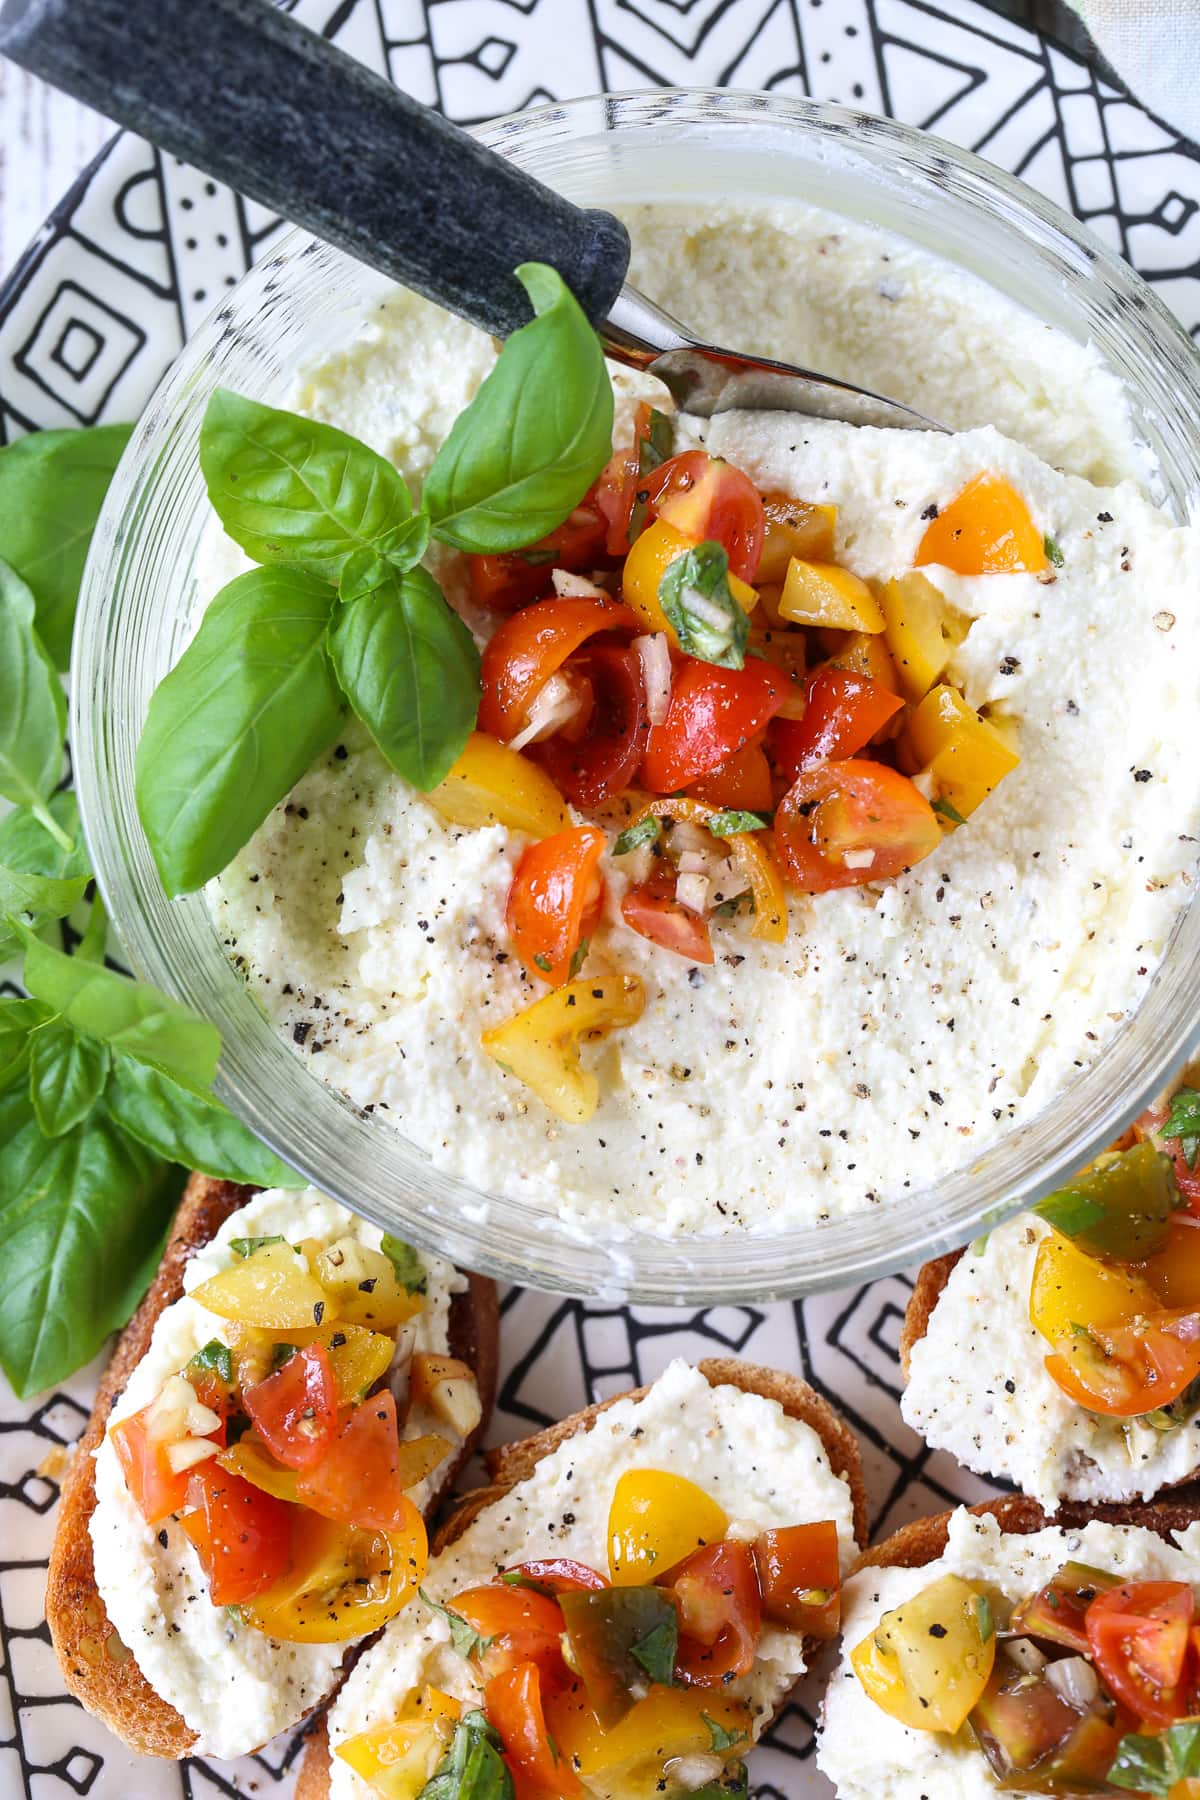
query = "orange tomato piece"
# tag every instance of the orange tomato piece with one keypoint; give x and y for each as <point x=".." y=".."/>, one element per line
<point x="708" y="500"/>
<point x="554" y="901"/>
<point x="532" y="646"/>
<point x="741" y="783"/>
<point x="361" y="1479"/>
<point x="1128" y="1369"/>
<point x="157" y="1490"/>
<point x="799" y="1574"/>
<point x="295" y="1409"/>
<point x="844" y="823"/>
<point x="716" y="1594"/>
<point x="512" y="1701"/>
<point x="521" y="1626"/>
<point x="242" y="1535"/>
<point x="1174" y="1271"/>
<point x="1139" y="1637"/>
<point x="985" y="530"/>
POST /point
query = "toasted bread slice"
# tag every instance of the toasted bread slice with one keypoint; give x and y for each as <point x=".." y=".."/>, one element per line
<point x="509" y="1464"/>
<point x="924" y="1540"/>
<point x="96" y="1667"/>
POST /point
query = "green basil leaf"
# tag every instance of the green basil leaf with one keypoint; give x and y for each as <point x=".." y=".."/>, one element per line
<point x="214" y="1358"/>
<point x="367" y="569"/>
<point x="734" y="1784"/>
<point x="409" y="667"/>
<point x="473" y="1767"/>
<point x="1183" y="1122"/>
<point x="1053" y="553"/>
<point x="33" y="708"/>
<point x="657" y="1650"/>
<point x="645" y="831"/>
<point x="463" y="1636"/>
<point x="246" y="710"/>
<point x="66" y="1077"/>
<point x="410" y="1270"/>
<point x="19" y="1019"/>
<point x="189" y="1128"/>
<point x="129" y="1016"/>
<point x="52" y="484"/>
<point x="536" y="435"/>
<point x="694" y="594"/>
<point x="1153" y="1765"/>
<point x="292" y="490"/>
<point x="36" y="898"/>
<point x="719" y="1738"/>
<point x="27" y="849"/>
<point x="82" y="1221"/>
<point x="249" y="1246"/>
<point x="948" y="811"/>
<point x="729" y="824"/>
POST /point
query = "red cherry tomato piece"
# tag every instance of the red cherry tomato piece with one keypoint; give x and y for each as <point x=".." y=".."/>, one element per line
<point x="799" y="1572"/>
<point x="512" y="1701"/>
<point x="1134" y="1368"/>
<point x="295" y="1409"/>
<point x="523" y="1626"/>
<point x="357" y="1481"/>
<point x="506" y="581"/>
<point x="554" y="900"/>
<point x="242" y="1535"/>
<point x="843" y="823"/>
<point x="706" y="498"/>
<point x="530" y="647"/>
<point x="157" y="1491"/>
<point x="843" y="712"/>
<point x="651" y="909"/>
<point x="742" y="783"/>
<point x="592" y="765"/>
<point x="716" y="1593"/>
<point x="559" y="1575"/>
<point x="1139" y="1637"/>
<point x="713" y="714"/>
<point x="1187" y="1176"/>
<point x="621" y="484"/>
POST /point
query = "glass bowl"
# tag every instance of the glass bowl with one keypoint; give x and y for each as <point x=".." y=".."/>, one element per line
<point x="306" y="299"/>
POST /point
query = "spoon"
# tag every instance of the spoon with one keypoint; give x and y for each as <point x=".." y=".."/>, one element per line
<point x="242" y="91"/>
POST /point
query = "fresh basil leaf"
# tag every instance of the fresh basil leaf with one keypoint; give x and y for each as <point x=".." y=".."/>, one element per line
<point x="643" y="831"/>
<point x="37" y="899"/>
<point x="947" y="811"/>
<point x="409" y="668"/>
<point x="729" y="909"/>
<point x="579" y="956"/>
<point x="729" y="824"/>
<point x="190" y="1128"/>
<point x="52" y="484"/>
<point x="249" y="1245"/>
<point x="463" y="1635"/>
<point x="719" y="1738"/>
<point x="1070" y="1212"/>
<point x="1153" y="1765"/>
<point x="33" y="708"/>
<point x="657" y="1650"/>
<point x="984" y="1618"/>
<point x="27" y="845"/>
<point x="536" y="435"/>
<point x="1183" y="1122"/>
<point x="215" y="1358"/>
<point x="734" y="1784"/>
<point x="364" y="570"/>
<point x="82" y="1221"/>
<point x="1053" y="553"/>
<point x="66" y="1077"/>
<point x="473" y="1767"/>
<point x="410" y="1270"/>
<point x="19" y="1019"/>
<point x="694" y="594"/>
<point x="94" y="942"/>
<point x="249" y="706"/>
<point x="292" y="490"/>
<point x="130" y="1016"/>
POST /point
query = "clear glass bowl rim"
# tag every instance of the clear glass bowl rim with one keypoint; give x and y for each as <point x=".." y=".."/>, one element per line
<point x="374" y="1169"/>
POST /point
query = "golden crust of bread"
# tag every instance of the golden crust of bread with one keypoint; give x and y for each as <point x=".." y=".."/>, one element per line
<point x="927" y="1291"/>
<point x="924" y="1540"/>
<point x="95" y="1666"/>
<point x="509" y="1464"/>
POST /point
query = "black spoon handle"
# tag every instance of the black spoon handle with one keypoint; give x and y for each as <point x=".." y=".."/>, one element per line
<point x="242" y="91"/>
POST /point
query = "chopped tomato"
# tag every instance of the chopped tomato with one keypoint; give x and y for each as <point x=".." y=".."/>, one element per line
<point x="520" y="1626"/>
<point x="799" y="1572"/>
<point x="557" y="1575"/>
<point x="1131" y="1368"/>
<point x="985" y="530"/>
<point x="844" y="823"/>
<point x="242" y="1535"/>
<point x="716" y="1593"/>
<point x="1187" y="1175"/>
<point x="1139" y="1636"/>
<point x="531" y="647"/>
<point x="295" y="1409"/>
<point x="742" y="783"/>
<point x="512" y="1701"/>
<point x="843" y="713"/>
<point x="359" y="1479"/>
<point x="157" y="1491"/>
<point x="651" y="909"/>
<point x="554" y="901"/>
<point x="621" y="492"/>
<point x="713" y="713"/>
<point x="593" y="765"/>
<point x="342" y="1583"/>
<point x="507" y="581"/>
<point x="708" y="499"/>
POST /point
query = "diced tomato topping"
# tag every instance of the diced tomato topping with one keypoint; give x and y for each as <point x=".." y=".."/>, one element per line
<point x="708" y="499"/>
<point x="512" y="1701"/>
<point x="560" y="1575"/>
<point x="741" y="783"/>
<point x="843" y="713"/>
<point x="157" y="1491"/>
<point x="242" y="1535"/>
<point x="555" y="900"/>
<point x="622" y="482"/>
<point x="590" y="766"/>
<point x="799" y="1572"/>
<point x="507" y="581"/>
<point x="1187" y="1177"/>
<point x="1132" y="1368"/>
<point x="532" y="646"/>
<point x="844" y="823"/>
<point x="651" y="909"/>
<point x="713" y="714"/>
<point x="295" y="1409"/>
<point x="720" y="1613"/>
<point x="522" y="1625"/>
<point x="357" y="1481"/>
<point x="1139" y="1636"/>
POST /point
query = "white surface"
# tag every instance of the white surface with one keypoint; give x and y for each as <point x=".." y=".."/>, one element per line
<point x="45" y="140"/>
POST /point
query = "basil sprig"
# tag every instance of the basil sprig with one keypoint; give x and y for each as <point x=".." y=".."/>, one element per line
<point x="473" y="1767"/>
<point x="1183" y="1122"/>
<point x="33" y="708"/>
<point x="1153" y="1765"/>
<point x="694" y="594"/>
<point x="341" y="614"/>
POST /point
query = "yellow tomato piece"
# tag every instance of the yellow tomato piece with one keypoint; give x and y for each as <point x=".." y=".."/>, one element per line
<point x="629" y="1757"/>
<point x="919" y="631"/>
<point x="493" y="785"/>
<point x="251" y="1459"/>
<point x="273" y="1290"/>
<point x="363" y="1286"/>
<point x="927" y="1661"/>
<point x="758" y="869"/>
<point x="821" y="593"/>
<point x="864" y="653"/>
<point x="793" y="528"/>
<point x="649" y="558"/>
<point x="343" y="1583"/>
<point x="1070" y="1288"/>
<point x="966" y="755"/>
<point x="654" y="1521"/>
<point x="540" y="1045"/>
<point x="985" y="530"/>
<point x="358" y="1358"/>
<point x="399" y="1759"/>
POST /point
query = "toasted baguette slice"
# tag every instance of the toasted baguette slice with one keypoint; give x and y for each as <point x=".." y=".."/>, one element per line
<point x="509" y="1464"/>
<point x="924" y="1540"/>
<point x="96" y="1667"/>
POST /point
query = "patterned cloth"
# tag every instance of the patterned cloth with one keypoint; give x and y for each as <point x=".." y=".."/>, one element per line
<point x="1154" y="45"/>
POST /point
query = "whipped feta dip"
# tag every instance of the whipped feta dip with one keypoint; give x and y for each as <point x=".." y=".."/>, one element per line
<point x="903" y="1026"/>
<point x="870" y="1756"/>
<point x="232" y="1685"/>
<point x="978" y="1386"/>
<point x="763" y="1468"/>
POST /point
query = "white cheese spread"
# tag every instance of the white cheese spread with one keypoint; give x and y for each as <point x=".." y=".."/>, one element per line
<point x="233" y="1686"/>
<point x="743" y="1450"/>
<point x="870" y="1756"/>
